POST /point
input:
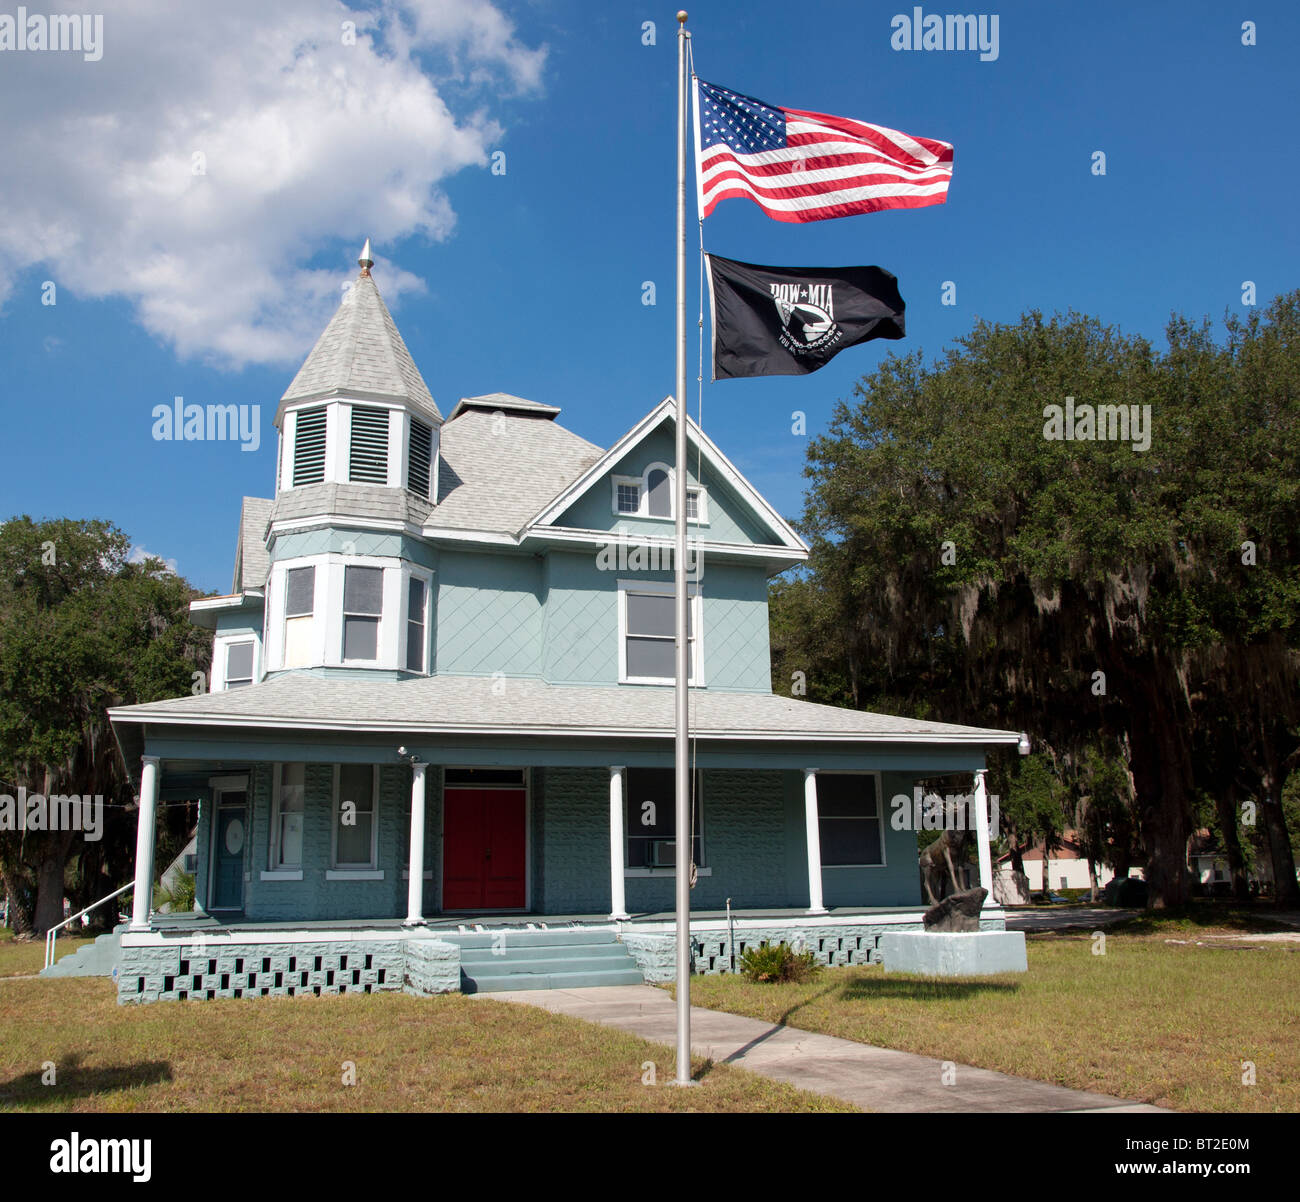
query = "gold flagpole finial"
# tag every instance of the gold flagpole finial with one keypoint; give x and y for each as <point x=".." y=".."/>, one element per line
<point x="681" y="16"/>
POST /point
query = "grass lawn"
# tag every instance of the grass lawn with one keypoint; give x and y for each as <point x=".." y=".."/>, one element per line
<point x="22" y="959"/>
<point x="411" y="1054"/>
<point x="1150" y="1020"/>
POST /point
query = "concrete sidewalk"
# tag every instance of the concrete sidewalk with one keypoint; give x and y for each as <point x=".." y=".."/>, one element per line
<point x="873" y="1078"/>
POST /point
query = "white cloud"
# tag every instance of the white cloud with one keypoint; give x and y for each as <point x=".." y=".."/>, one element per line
<point x="305" y="139"/>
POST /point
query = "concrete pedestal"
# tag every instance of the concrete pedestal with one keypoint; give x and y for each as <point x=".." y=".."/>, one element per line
<point x="954" y="953"/>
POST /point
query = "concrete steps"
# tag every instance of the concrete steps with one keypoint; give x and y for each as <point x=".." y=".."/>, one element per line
<point x="495" y="961"/>
<point x="96" y="959"/>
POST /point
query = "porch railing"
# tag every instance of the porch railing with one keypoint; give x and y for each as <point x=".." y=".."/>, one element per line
<point x="52" y="933"/>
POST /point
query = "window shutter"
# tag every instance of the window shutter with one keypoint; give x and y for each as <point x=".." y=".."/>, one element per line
<point x="368" y="456"/>
<point x="309" y="447"/>
<point x="419" y="459"/>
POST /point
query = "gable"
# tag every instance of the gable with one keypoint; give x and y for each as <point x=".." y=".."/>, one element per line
<point x="733" y="511"/>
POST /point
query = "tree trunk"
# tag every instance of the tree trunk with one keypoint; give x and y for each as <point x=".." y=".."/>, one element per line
<point x="49" y="890"/>
<point x="1286" y="891"/>
<point x="20" y="916"/>
<point x="1162" y="778"/>
<point x="1092" y="879"/>
<point x="1225" y="804"/>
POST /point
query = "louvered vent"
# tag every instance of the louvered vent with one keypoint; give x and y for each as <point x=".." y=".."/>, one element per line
<point x="368" y="458"/>
<point x="309" y="448"/>
<point x="418" y="460"/>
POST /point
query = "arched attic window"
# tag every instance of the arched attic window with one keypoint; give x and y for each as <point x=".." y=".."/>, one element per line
<point x="659" y="498"/>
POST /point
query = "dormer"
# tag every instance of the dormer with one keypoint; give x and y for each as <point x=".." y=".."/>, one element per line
<point x="358" y="412"/>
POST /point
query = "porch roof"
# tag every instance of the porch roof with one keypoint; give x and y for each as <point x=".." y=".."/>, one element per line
<point x="478" y="705"/>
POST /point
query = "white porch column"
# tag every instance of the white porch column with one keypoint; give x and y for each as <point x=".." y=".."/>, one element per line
<point x="813" y="829"/>
<point x="146" y="820"/>
<point x="617" y="841"/>
<point x="982" y="833"/>
<point x="415" y="865"/>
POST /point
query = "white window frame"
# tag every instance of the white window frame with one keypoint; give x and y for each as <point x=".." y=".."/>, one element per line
<point x="354" y="872"/>
<point x="220" y="646"/>
<point x="383" y="617"/>
<point x="643" y="496"/>
<point x="427" y="577"/>
<point x="880" y="815"/>
<point x="280" y="581"/>
<point x="661" y="588"/>
<point x="277" y="870"/>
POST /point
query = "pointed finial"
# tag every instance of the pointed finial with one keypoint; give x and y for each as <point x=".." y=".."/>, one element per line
<point x="365" y="262"/>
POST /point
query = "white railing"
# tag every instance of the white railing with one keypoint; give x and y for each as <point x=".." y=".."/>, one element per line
<point x="52" y="933"/>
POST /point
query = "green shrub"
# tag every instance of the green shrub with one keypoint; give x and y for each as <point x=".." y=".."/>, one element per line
<point x="180" y="897"/>
<point x="778" y="963"/>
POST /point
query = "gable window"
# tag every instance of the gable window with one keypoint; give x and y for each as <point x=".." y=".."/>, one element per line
<point x="417" y="592"/>
<point x="659" y="501"/>
<point x="288" y="805"/>
<point x="419" y="460"/>
<point x="648" y="619"/>
<point x="355" y="814"/>
<point x="363" y="603"/>
<point x="309" y="447"/>
<point x="629" y="498"/>
<point x="653" y="495"/>
<point x="239" y="665"/>
<point x="368" y="454"/>
<point x="299" y="606"/>
<point x="849" y="818"/>
<point x="652" y="818"/>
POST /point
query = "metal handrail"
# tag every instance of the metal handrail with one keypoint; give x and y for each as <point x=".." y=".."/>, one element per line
<point x="51" y="934"/>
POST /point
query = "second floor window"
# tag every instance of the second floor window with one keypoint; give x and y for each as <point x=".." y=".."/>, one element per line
<point x="363" y="603"/>
<point x="415" y="625"/>
<point x="239" y="665"/>
<point x="649" y="646"/>
<point x="299" y="606"/>
<point x="629" y="498"/>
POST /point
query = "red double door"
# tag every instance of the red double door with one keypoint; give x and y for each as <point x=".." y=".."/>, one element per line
<point x="484" y="849"/>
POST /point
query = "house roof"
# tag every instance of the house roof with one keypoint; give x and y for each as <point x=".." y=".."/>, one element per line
<point x="503" y="401"/>
<point x="361" y="354"/>
<point x="497" y="469"/>
<point x="478" y="705"/>
<point x="252" y="563"/>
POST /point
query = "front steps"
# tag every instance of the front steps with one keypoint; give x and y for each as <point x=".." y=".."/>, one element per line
<point x="563" y="958"/>
<point x="96" y="959"/>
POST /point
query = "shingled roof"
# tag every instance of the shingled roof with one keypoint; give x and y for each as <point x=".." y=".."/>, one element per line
<point x="472" y="704"/>
<point x="361" y="354"/>
<point x="252" y="563"/>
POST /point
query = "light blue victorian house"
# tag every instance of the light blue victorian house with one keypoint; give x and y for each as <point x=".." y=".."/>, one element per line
<point x="437" y="748"/>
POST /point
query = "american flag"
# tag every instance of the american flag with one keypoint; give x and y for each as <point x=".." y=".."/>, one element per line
<point x="800" y="166"/>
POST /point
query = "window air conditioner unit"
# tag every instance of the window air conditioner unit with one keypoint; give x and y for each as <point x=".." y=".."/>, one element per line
<point x="664" y="853"/>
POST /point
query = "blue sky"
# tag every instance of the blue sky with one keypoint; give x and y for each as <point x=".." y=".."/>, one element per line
<point x="531" y="281"/>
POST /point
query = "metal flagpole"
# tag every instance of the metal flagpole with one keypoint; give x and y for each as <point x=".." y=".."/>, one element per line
<point x="681" y="694"/>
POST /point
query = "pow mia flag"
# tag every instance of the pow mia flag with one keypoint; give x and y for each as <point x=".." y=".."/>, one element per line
<point x="788" y="321"/>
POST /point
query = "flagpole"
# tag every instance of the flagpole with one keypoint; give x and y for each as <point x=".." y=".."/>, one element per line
<point x="681" y="694"/>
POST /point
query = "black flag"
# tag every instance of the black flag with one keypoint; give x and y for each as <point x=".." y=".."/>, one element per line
<point x="787" y="321"/>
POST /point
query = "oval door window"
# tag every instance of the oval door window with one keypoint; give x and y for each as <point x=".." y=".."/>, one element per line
<point x="235" y="837"/>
